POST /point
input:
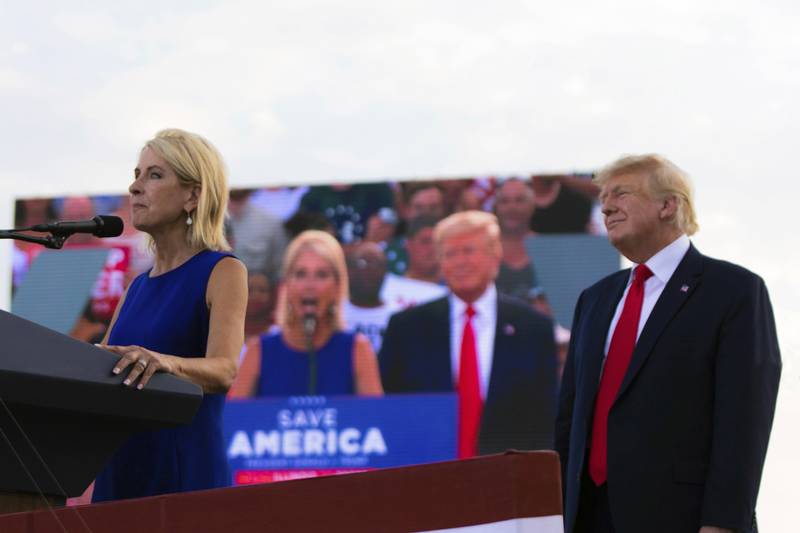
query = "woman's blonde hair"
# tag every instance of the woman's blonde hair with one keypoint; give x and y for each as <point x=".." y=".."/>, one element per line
<point x="197" y="163"/>
<point x="328" y="248"/>
<point x="662" y="179"/>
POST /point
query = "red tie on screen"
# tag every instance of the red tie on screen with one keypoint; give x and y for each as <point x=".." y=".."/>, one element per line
<point x="469" y="392"/>
<point x="619" y="356"/>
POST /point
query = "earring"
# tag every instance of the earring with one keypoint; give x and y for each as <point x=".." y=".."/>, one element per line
<point x="188" y="219"/>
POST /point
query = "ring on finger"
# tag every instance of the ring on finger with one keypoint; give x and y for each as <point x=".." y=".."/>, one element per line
<point x="142" y="363"/>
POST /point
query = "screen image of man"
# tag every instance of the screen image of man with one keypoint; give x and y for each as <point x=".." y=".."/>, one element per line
<point x="420" y="283"/>
<point x="496" y="352"/>
<point x="365" y="312"/>
<point x="671" y="379"/>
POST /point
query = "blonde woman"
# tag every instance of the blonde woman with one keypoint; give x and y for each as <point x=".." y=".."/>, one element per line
<point x="185" y="316"/>
<point x="310" y="310"/>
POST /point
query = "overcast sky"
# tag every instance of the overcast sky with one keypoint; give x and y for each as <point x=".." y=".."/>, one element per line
<point x="306" y="90"/>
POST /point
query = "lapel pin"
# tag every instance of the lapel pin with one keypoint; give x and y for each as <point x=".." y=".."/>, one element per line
<point x="508" y="329"/>
<point x="684" y="288"/>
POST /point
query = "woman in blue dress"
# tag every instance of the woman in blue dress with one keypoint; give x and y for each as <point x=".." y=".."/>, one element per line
<point x="314" y="287"/>
<point x="185" y="316"/>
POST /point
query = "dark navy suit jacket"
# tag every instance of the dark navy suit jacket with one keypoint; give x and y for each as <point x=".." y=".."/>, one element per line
<point x="688" y="432"/>
<point x="520" y="405"/>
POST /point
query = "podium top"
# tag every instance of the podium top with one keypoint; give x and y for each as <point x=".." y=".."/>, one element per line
<point x="42" y="368"/>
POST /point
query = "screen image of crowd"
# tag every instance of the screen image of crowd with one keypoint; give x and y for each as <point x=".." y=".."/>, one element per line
<point x="399" y="330"/>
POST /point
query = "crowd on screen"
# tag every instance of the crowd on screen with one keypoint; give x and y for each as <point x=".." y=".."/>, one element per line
<point x="385" y="229"/>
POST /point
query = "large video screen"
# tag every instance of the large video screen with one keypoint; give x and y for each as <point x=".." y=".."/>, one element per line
<point x="553" y="246"/>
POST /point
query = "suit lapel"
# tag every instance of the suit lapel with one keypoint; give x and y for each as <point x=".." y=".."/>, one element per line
<point x="438" y="329"/>
<point x="503" y="331"/>
<point x="677" y="290"/>
<point x="601" y="314"/>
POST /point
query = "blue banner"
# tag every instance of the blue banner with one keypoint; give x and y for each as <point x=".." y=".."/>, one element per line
<point x="272" y="439"/>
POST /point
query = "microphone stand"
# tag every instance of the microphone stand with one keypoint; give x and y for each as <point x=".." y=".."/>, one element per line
<point x="309" y="325"/>
<point x="54" y="242"/>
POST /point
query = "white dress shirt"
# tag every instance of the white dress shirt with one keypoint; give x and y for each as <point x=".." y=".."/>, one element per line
<point x="484" y="324"/>
<point x="662" y="265"/>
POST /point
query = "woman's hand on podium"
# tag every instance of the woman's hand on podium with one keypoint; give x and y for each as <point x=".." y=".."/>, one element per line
<point x="143" y="363"/>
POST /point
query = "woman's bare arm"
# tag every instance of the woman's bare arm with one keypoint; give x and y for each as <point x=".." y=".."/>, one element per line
<point x="365" y="368"/>
<point x="226" y="296"/>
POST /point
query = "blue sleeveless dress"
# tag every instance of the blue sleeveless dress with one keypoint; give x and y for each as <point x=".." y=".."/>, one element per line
<point x="285" y="371"/>
<point x="168" y="314"/>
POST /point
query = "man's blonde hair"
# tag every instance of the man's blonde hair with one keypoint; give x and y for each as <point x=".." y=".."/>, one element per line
<point x="197" y="163"/>
<point x="327" y="247"/>
<point x="662" y="179"/>
<point x="468" y="222"/>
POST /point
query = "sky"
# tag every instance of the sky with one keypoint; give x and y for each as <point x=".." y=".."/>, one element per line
<point x="310" y="91"/>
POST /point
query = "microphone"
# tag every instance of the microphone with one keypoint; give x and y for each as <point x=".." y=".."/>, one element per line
<point x="99" y="226"/>
<point x="309" y="325"/>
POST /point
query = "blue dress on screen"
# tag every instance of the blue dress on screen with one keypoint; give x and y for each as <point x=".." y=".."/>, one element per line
<point x="285" y="371"/>
<point x="168" y="314"/>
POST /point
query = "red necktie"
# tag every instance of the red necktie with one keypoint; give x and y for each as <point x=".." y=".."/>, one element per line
<point x="620" y="351"/>
<point x="469" y="392"/>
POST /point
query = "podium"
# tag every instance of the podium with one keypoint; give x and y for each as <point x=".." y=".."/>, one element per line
<point x="513" y="492"/>
<point x="63" y="413"/>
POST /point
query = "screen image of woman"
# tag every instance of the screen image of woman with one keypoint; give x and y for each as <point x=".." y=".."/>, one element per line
<point x="185" y="316"/>
<point x="310" y="351"/>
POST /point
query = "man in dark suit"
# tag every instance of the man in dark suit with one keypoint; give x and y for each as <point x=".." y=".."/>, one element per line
<point x="669" y="389"/>
<point x="496" y="352"/>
